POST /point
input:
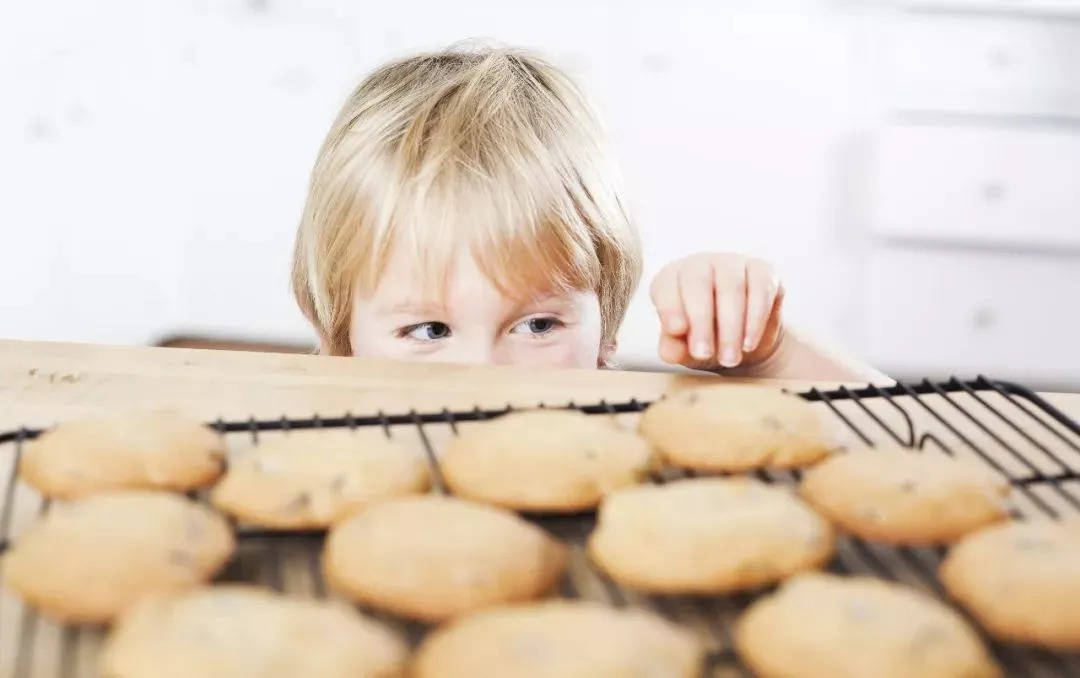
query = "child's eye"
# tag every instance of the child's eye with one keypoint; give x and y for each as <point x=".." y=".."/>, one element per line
<point x="536" y="326"/>
<point x="432" y="331"/>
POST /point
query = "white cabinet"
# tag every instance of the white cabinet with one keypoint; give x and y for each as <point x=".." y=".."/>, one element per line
<point x="1037" y="7"/>
<point x="985" y="65"/>
<point x="978" y="185"/>
<point x="974" y="193"/>
<point x="946" y="311"/>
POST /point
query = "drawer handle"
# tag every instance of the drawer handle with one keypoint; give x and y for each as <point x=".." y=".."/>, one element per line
<point x="1001" y="59"/>
<point x="983" y="318"/>
<point x="993" y="191"/>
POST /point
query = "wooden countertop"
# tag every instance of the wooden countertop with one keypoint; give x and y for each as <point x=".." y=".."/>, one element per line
<point x="43" y="382"/>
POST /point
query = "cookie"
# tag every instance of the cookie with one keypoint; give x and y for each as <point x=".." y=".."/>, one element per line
<point x="560" y="639"/>
<point x="825" y="626"/>
<point x="904" y="497"/>
<point x="152" y="450"/>
<point x="433" y="557"/>
<point x="312" y="479"/>
<point x="545" y="460"/>
<point x="707" y="535"/>
<point x="241" y="631"/>
<point x="730" y="427"/>
<point x="87" y="561"/>
<point x="1021" y="581"/>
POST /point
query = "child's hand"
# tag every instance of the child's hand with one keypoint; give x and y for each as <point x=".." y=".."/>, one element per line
<point x="717" y="310"/>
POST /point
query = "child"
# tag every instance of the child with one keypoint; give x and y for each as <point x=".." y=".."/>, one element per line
<point x="464" y="207"/>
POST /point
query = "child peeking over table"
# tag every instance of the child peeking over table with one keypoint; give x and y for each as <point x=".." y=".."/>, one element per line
<point x="465" y="207"/>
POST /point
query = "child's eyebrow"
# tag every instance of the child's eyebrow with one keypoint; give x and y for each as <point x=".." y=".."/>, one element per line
<point x="414" y="306"/>
<point x="551" y="303"/>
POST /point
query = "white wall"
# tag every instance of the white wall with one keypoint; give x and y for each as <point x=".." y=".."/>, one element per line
<point x="155" y="153"/>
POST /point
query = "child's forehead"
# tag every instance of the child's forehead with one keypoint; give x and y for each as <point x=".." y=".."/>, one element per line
<point x="410" y="284"/>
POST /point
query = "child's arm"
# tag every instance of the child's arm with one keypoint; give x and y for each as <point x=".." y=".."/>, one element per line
<point x="723" y="312"/>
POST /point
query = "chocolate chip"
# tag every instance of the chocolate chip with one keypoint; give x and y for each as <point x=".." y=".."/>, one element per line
<point x="772" y="423"/>
<point x="870" y="513"/>
<point x="180" y="558"/>
<point x="859" y="611"/>
<point x="299" y="502"/>
<point x="924" y="639"/>
<point x="195" y="529"/>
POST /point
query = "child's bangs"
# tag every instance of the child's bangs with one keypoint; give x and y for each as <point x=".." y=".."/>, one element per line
<point x="527" y="238"/>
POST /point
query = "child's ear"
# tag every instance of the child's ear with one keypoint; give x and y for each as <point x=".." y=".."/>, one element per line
<point x="607" y="353"/>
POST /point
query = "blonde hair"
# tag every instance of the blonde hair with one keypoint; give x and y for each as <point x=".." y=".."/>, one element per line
<point x="489" y="148"/>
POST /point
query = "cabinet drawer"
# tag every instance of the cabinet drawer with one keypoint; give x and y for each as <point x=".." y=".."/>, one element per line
<point x="985" y="65"/>
<point x="1001" y="314"/>
<point x="979" y="185"/>
<point x="1023" y="7"/>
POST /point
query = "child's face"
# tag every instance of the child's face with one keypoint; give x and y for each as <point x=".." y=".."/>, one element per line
<point x="470" y="321"/>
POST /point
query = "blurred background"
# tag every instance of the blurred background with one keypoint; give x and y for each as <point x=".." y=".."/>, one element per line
<point x="912" y="168"/>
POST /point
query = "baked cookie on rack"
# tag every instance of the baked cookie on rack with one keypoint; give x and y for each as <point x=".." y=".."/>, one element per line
<point x="433" y="557"/>
<point x="1021" y="581"/>
<point x="707" y="535"/>
<point x="87" y="561"/>
<point x="559" y="638"/>
<point x="901" y="496"/>
<point x="148" y="450"/>
<point x="312" y="479"/>
<point x="732" y="427"/>
<point x="544" y="460"/>
<point x="247" y="631"/>
<point x="823" y="626"/>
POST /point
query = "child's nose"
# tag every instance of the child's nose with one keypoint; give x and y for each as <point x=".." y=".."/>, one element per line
<point x="477" y="352"/>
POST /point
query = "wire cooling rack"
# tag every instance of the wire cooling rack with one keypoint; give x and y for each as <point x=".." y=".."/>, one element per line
<point x="1001" y="424"/>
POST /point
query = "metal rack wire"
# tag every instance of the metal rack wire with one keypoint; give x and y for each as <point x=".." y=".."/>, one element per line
<point x="1005" y="426"/>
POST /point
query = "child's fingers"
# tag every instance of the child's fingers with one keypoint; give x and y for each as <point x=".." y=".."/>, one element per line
<point x="664" y="293"/>
<point x="730" y="313"/>
<point x="696" y="290"/>
<point x="673" y="351"/>
<point x="762" y="286"/>
<point x="770" y="335"/>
